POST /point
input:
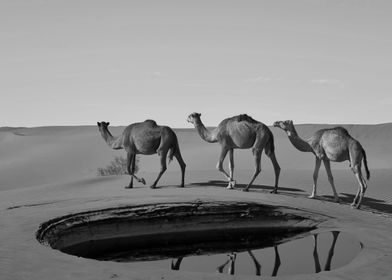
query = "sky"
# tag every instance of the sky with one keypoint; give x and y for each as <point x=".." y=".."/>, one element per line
<point x="73" y="62"/>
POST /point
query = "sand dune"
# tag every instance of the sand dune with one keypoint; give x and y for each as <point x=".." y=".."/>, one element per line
<point x="41" y="155"/>
<point x="46" y="172"/>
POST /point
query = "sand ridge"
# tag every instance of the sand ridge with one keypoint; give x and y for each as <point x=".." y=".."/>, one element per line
<point x="48" y="172"/>
<point x="42" y="155"/>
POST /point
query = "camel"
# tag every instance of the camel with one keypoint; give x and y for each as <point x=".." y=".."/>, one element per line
<point x="145" y="138"/>
<point x="239" y="132"/>
<point x="327" y="145"/>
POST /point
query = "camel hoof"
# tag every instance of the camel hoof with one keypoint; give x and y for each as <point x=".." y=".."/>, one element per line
<point x="231" y="185"/>
<point x="153" y="187"/>
<point x="181" y="186"/>
<point x="232" y="256"/>
<point x="128" y="187"/>
<point x="337" y="200"/>
<point x="142" y="181"/>
<point x="275" y="191"/>
<point x="245" y="190"/>
<point x="312" y="196"/>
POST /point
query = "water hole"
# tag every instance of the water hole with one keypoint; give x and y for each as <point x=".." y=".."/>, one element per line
<point x="215" y="237"/>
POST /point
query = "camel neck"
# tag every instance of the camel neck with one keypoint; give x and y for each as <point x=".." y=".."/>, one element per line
<point x="113" y="142"/>
<point x="298" y="142"/>
<point x="204" y="133"/>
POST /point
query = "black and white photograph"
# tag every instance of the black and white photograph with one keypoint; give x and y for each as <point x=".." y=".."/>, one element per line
<point x="195" y="140"/>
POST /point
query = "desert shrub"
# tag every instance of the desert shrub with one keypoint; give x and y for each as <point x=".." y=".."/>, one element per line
<point x="118" y="166"/>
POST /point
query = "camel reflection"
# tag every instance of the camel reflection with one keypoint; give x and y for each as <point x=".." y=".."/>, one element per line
<point x="331" y="251"/>
<point x="232" y="257"/>
<point x="230" y="262"/>
<point x="176" y="265"/>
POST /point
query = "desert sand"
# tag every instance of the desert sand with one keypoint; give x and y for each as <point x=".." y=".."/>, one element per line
<point x="46" y="172"/>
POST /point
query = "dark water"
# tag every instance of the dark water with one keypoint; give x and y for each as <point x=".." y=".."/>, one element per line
<point x="246" y="256"/>
<point x="311" y="254"/>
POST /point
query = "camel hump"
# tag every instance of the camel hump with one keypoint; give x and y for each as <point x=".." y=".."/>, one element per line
<point x="246" y="118"/>
<point x="341" y="130"/>
<point x="334" y="132"/>
<point x="151" y="122"/>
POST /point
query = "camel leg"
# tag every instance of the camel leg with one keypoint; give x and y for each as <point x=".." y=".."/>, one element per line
<point x="231" y="184"/>
<point x="222" y="266"/>
<point x="133" y="166"/>
<point x="358" y="176"/>
<point x="364" y="187"/>
<point x="256" y="263"/>
<point x="354" y="168"/>
<point x="182" y="165"/>
<point x="140" y="180"/>
<point x="131" y="163"/>
<point x="258" y="168"/>
<point x="130" y="168"/>
<point x="315" y="254"/>
<point x="331" y="251"/>
<point x="232" y="263"/>
<point x="361" y="189"/>
<point x="177" y="264"/>
<point x="327" y="165"/>
<point x="315" y="177"/>
<point x="277" y="171"/>
<point x="356" y="197"/>
<point x="162" y="155"/>
<point x="277" y="262"/>
<point x="219" y="166"/>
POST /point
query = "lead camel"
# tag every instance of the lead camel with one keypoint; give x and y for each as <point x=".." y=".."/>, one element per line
<point x="334" y="144"/>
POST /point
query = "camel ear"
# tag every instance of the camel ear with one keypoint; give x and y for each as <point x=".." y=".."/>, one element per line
<point x="99" y="124"/>
<point x="198" y="114"/>
<point x="107" y="124"/>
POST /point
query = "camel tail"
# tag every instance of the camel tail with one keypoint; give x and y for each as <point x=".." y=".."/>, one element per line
<point x="270" y="147"/>
<point x="365" y="164"/>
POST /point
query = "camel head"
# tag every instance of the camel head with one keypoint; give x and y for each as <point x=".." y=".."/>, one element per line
<point x="192" y="118"/>
<point x="103" y="126"/>
<point x="285" y="125"/>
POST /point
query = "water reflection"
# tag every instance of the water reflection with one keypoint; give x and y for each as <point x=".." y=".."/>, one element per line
<point x="232" y="257"/>
<point x="251" y="253"/>
<point x="331" y="251"/>
<point x="229" y="265"/>
<point x="231" y="260"/>
<point x="176" y="265"/>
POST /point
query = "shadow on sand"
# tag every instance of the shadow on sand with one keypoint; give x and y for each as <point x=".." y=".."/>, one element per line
<point x="367" y="202"/>
<point x="346" y="198"/>
<point x="223" y="184"/>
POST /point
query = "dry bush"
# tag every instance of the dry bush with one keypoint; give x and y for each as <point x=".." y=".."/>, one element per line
<point x="118" y="166"/>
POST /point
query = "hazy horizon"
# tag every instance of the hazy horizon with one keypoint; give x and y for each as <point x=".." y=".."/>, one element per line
<point x="190" y="126"/>
<point x="69" y="62"/>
